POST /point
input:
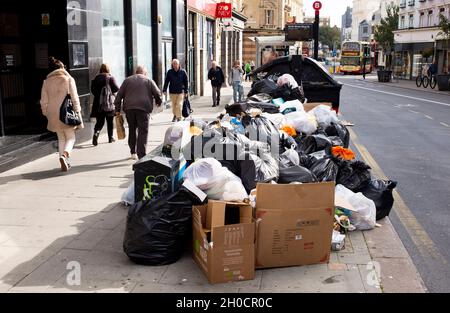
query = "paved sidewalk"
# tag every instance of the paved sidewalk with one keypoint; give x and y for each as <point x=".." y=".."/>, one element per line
<point x="49" y="219"/>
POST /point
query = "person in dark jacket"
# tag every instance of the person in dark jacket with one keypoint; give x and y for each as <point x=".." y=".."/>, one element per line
<point x="136" y="96"/>
<point x="178" y="85"/>
<point x="97" y="111"/>
<point x="217" y="79"/>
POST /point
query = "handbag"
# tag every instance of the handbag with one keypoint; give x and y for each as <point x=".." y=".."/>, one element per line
<point x="187" y="110"/>
<point x="66" y="113"/>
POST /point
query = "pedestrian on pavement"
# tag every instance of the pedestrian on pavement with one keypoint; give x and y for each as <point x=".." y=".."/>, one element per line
<point x="55" y="89"/>
<point x="248" y="70"/>
<point x="433" y="69"/>
<point x="252" y="63"/>
<point x="217" y="78"/>
<point x="103" y="88"/>
<point x="236" y="79"/>
<point x="137" y="94"/>
<point x="178" y="85"/>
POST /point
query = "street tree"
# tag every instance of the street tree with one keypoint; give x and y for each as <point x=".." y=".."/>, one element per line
<point x="384" y="32"/>
<point x="444" y="34"/>
<point x="330" y="36"/>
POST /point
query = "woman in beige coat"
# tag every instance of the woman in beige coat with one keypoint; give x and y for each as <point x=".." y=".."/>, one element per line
<point x="58" y="84"/>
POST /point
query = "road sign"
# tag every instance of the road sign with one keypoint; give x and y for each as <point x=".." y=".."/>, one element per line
<point x="224" y="10"/>
<point x="299" y="32"/>
<point x="317" y="6"/>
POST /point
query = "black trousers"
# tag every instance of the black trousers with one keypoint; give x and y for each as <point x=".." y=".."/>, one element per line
<point x="101" y="118"/>
<point x="138" y="123"/>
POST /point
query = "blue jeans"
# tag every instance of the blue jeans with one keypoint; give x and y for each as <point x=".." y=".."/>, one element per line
<point x="238" y="92"/>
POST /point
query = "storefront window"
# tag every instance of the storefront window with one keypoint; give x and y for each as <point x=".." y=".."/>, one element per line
<point x="417" y="65"/>
<point x="143" y="16"/>
<point x="113" y="37"/>
<point x="165" y="10"/>
<point x="403" y="64"/>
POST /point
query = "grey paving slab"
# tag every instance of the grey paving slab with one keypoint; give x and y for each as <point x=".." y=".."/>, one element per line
<point x="88" y="239"/>
<point x="161" y="288"/>
<point x="399" y="276"/>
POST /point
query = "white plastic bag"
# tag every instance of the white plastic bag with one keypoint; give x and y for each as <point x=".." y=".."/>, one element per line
<point x="216" y="181"/>
<point x="292" y="106"/>
<point x="303" y="122"/>
<point x="325" y="115"/>
<point x="279" y="120"/>
<point x="361" y="210"/>
<point x="128" y="196"/>
<point x="287" y="79"/>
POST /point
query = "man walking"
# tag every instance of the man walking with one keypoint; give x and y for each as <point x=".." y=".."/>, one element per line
<point x="137" y="94"/>
<point x="177" y="79"/>
<point x="217" y="79"/>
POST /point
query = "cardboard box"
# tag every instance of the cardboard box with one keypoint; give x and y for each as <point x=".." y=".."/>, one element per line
<point x="224" y="241"/>
<point x="311" y="106"/>
<point x="294" y="224"/>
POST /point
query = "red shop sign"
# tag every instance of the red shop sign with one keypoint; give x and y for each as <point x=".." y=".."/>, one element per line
<point x="224" y="10"/>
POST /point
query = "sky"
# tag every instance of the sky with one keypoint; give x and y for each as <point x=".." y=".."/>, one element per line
<point x="330" y="8"/>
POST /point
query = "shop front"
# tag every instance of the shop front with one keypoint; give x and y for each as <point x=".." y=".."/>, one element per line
<point x="411" y="58"/>
<point x="202" y="44"/>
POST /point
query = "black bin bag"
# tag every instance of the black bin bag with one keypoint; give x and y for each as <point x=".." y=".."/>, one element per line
<point x="314" y="143"/>
<point x="354" y="175"/>
<point x="296" y="174"/>
<point x="325" y="169"/>
<point x="157" y="231"/>
<point x="340" y="131"/>
<point x="380" y="191"/>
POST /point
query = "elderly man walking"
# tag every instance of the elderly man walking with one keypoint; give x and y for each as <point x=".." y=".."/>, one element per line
<point x="217" y="78"/>
<point x="137" y="94"/>
<point x="178" y="85"/>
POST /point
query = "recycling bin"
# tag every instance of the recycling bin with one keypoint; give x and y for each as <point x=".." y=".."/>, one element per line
<point x="157" y="175"/>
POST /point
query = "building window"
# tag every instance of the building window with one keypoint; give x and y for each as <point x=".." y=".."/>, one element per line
<point x="165" y="9"/>
<point x="113" y="38"/>
<point x="411" y="20"/>
<point x="430" y="18"/>
<point x="421" y="19"/>
<point x="365" y="30"/>
<point x="201" y="31"/>
<point x="270" y="17"/>
<point x="441" y="12"/>
<point x="402" y="22"/>
<point x="142" y="10"/>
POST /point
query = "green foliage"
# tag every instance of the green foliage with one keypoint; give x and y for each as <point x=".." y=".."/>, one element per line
<point x="330" y="36"/>
<point x="384" y="33"/>
<point x="444" y="27"/>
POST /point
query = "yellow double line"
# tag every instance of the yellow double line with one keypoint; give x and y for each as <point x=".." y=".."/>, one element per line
<point x="418" y="235"/>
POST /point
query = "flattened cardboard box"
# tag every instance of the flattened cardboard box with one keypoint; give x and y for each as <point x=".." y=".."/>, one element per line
<point x="294" y="224"/>
<point x="225" y="253"/>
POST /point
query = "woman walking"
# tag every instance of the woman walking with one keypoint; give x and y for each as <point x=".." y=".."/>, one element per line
<point x="103" y="87"/>
<point x="236" y="79"/>
<point x="55" y="89"/>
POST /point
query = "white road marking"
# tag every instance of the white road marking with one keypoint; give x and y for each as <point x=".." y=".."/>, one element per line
<point x="444" y="124"/>
<point x="429" y="117"/>
<point x="399" y="95"/>
<point x="415" y="112"/>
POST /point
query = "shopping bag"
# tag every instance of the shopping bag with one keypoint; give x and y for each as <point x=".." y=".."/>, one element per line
<point x="121" y="135"/>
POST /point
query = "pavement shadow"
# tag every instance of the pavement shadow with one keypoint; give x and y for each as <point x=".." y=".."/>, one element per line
<point x="51" y="267"/>
<point x="53" y="173"/>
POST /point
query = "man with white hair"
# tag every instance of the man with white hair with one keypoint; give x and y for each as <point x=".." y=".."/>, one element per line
<point x="136" y="95"/>
<point x="217" y="79"/>
<point x="177" y="79"/>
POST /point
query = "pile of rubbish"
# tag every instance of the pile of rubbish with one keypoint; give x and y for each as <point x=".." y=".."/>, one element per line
<point x="275" y="137"/>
